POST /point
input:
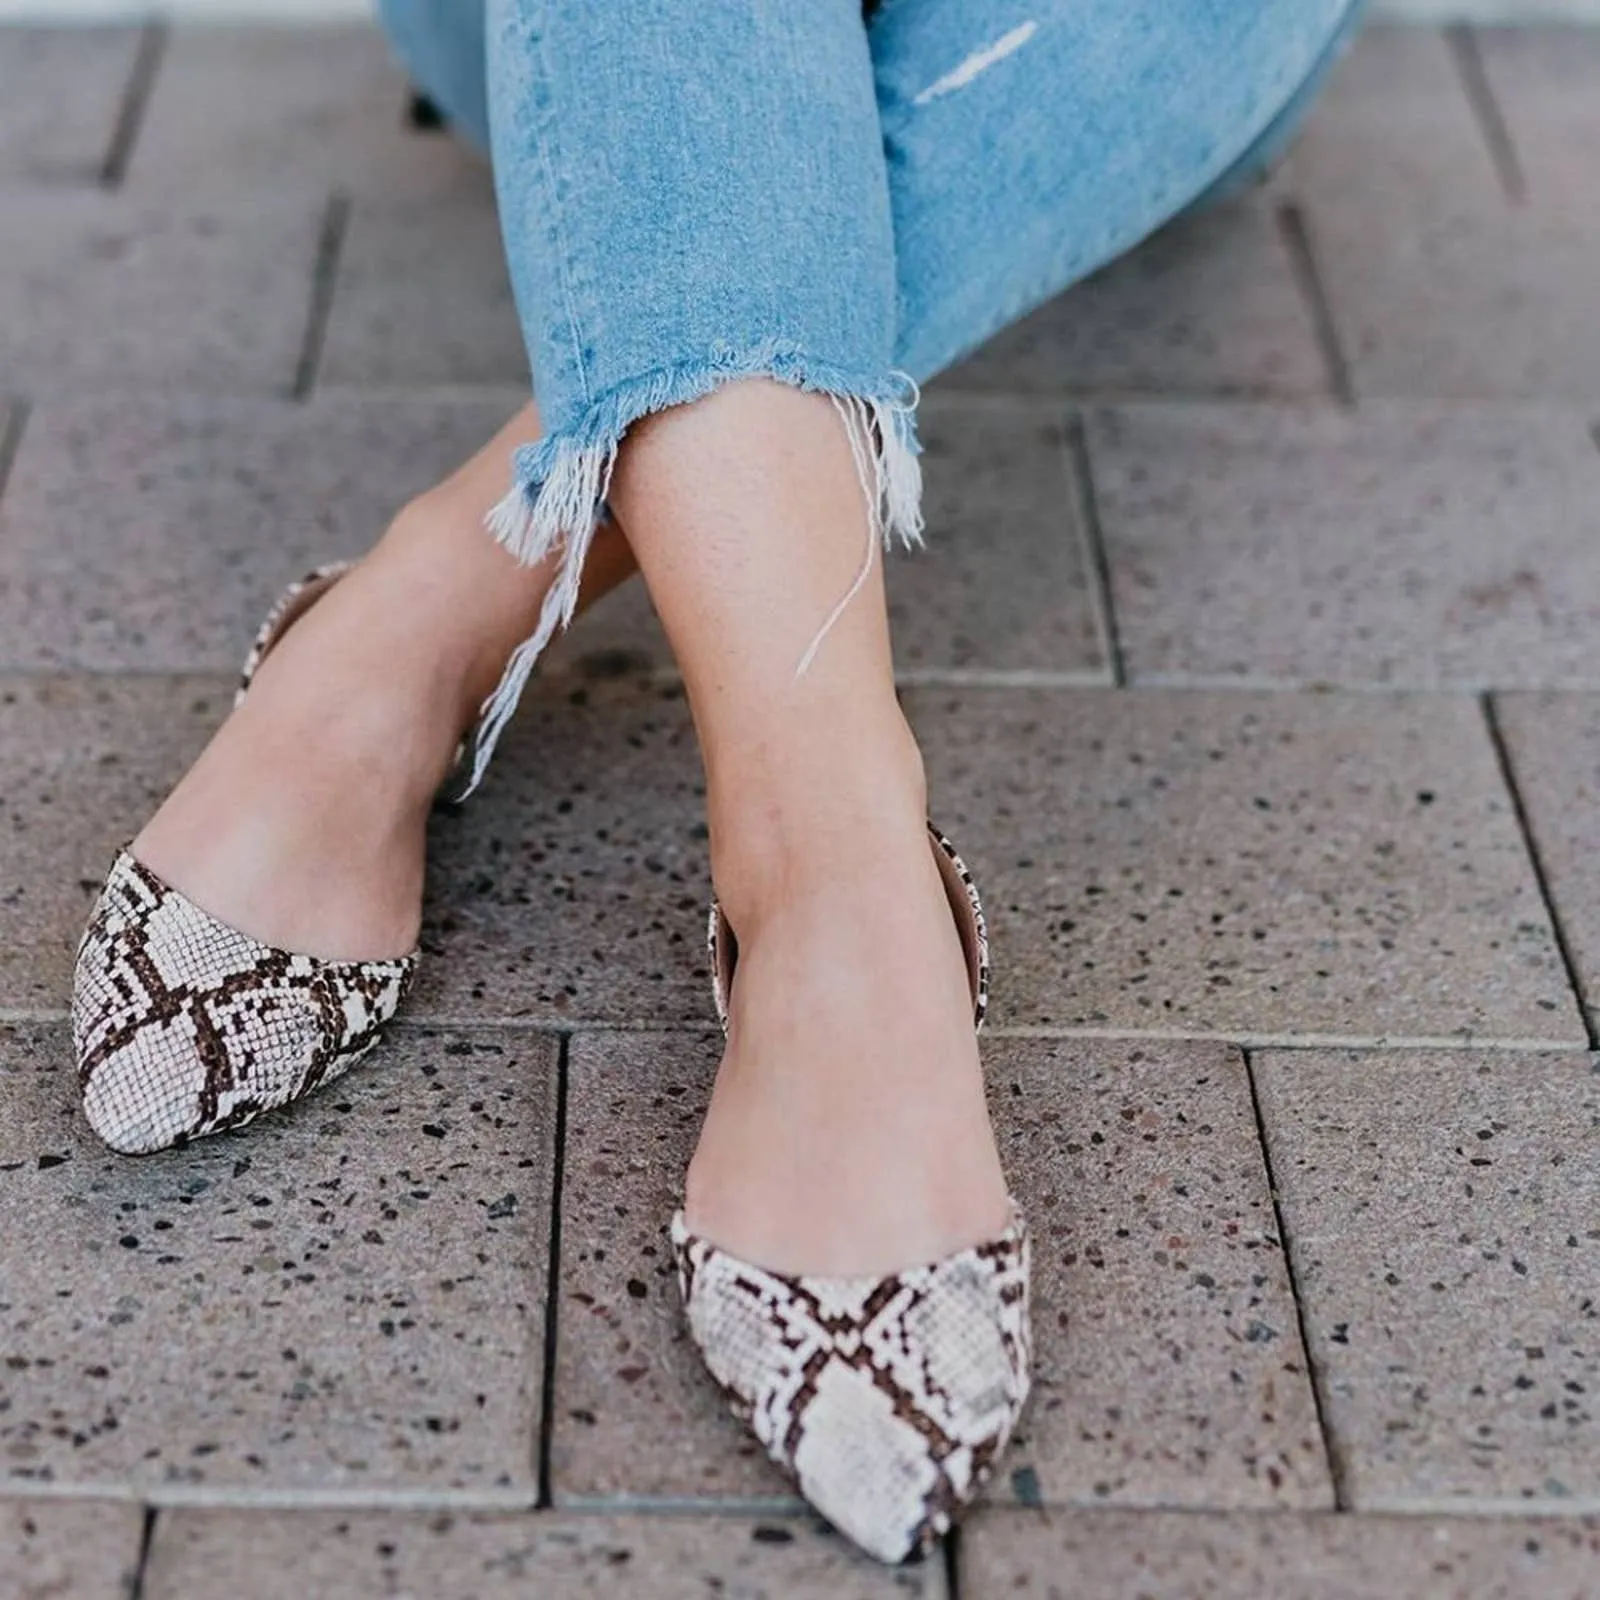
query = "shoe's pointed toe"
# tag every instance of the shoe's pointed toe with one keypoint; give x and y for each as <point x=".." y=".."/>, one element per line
<point x="888" y="1399"/>
<point x="183" y="1026"/>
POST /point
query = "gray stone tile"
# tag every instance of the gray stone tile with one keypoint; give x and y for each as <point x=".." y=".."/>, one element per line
<point x="1394" y="121"/>
<point x="239" y="110"/>
<point x="155" y="537"/>
<point x="378" y="1555"/>
<point x="1003" y="584"/>
<point x="635" y="1412"/>
<point x="1546" y="82"/>
<point x="1403" y="545"/>
<point x="83" y="763"/>
<point x="69" y="1549"/>
<point x="422" y="296"/>
<point x="574" y="885"/>
<point x="1554" y="744"/>
<point x="1113" y="1555"/>
<point x="61" y="90"/>
<point x="1168" y="1361"/>
<point x="1169" y="1369"/>
<point x="98" y="291"/>
<point x="1208" y="306"/>
<point x="1467" y="302"/>
<point x="1257" y="865"/>
<point x="348" y="1297"/>
<point x="1441" y="1212"/>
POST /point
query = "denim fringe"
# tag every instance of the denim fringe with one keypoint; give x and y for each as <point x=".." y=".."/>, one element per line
<point x="561" y="484"/>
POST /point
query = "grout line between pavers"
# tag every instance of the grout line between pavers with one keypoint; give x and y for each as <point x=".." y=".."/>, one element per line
<point x="25" y="1016"/>
<point x="544" y="1447"/>
<point x="324" y="279"/>
<point x="147" y="1536"/>
<point x="1308" y="278"/>
<point x="1467" y="55"/>
<point x="1337" y="1476"/>
<point x="1091" y="535"/>
<point x="15" y="417"/>
<point x="1508" y="776"/>
<point x="135" y="103"/>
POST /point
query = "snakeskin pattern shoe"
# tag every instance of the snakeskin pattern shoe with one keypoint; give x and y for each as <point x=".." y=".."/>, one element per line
<point x="887" y="1399"/>
<point x="184" y="1026"/>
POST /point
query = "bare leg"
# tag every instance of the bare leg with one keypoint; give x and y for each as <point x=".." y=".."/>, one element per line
<point x="303" y="822"/>
<point x="848" y="1131"/>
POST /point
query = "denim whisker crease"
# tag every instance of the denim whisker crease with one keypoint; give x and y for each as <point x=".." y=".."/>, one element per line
<point x="843" y="200"/>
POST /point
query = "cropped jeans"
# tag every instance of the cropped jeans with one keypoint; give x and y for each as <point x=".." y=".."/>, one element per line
<point x="692" y="191"/>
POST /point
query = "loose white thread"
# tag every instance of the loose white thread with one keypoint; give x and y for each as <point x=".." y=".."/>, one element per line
<point x="979" y="61"/>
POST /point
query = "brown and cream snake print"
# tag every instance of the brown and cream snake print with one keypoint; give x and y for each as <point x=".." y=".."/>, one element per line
<point x="887" y="1399"/>
<point x="184" y="1026"/>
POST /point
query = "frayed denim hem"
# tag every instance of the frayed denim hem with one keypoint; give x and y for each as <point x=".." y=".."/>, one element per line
<point x="562" y="481"/>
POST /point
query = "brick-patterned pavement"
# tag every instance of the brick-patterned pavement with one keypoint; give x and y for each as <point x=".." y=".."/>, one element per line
<point x="1255" y="660"/>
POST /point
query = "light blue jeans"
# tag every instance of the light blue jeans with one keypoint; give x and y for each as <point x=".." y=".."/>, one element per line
<point x="696" y="190"/>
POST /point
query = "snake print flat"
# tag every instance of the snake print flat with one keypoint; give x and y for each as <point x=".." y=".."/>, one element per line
<point x="184" y="1026"/>
<point x="887" y="1399"/>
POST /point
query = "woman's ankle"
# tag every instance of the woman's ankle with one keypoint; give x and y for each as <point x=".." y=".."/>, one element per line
<point x="835" y="799"/>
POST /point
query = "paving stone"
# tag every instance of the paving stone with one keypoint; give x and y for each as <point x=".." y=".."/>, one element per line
<point x="1442" y="1218"/>
<point x="1003" y="584"/>
<point x="1394" y="120"/>
<point x="1311" y="547"/>
<point x="1208" y="306"/>
<point x="573" y="887"/>
<point x="83" y="763"/>
<point x="380" y="1555"/>
<point x="1554" y="744"/>
<point x="1467" y="302"/>
<point x="423" y="297"/>
<point x="99" y="291"/>
<point x="350" y="1296"/>
<point x="635" y="1412"/>
<point x="1168" y="1362"/>
<point x="61" y="90"/>
<point x="69" y="1549"/>
<point x="1248" y="864"/>
<point x="1545" y="83"/>
<point x="237" y="110"/>
<point x="1169" y="1369"/>
<point x="155" y="537"/>
<point x="1112" y="1555"/>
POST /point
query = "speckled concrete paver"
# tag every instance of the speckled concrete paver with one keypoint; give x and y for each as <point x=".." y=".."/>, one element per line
<point x="155" y="537"/>
<point x="1395" y="120"/>
<point x="1401" y="545"/>
<point x="1443" y="1213"/>
<point x="573" y="886"/>
<point x="1252" y="864"/>
<point x="1553" y="741"/>
<point x="274" y="108"/>
<point x="61" y="93"/>
<point x="1209" y="306"/>
<point x="349" y="1297"/>
<point x="69" y="1549"/>
<point x="83" y="762"/>
<point x="201" y="1554"/>
<point x="635" y="1413"/>
<point x="423" y="297"/>
<point x="1169" y="1368"/>
<point x="215" y="299"/>
<point x="1544" y="83"/>
<point x="1113" y="1555"/>
<point x="1465" y="301"/>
